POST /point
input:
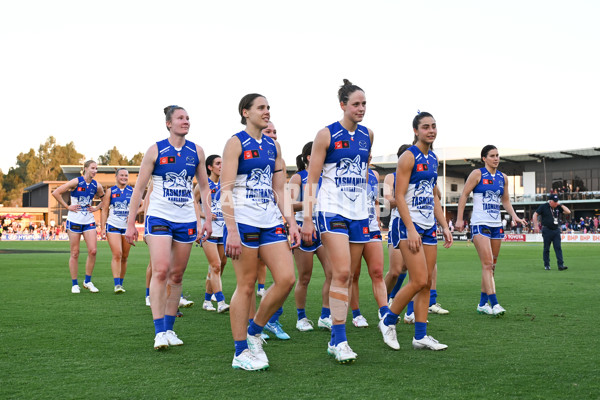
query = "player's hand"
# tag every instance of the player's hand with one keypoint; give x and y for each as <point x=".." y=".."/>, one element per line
<point x="448" y="240"/>
<point x="459" y="225"/>
<point x="131" y="235"/>
<point x="414" y="240"/>
<point x="294" y="235"/>
<point x="233" y="249"/>
<point x="308" y="232"/>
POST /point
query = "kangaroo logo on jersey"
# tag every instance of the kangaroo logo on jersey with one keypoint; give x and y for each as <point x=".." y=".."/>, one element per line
<point x="423" y="197"/>
<point x="176" y="188"/>
<point x="121" y="209"/>
<point x="258" y="186"/>
<point x="491" y="203"/>
<point x="84" y="203"/>
<point x="350" y="177"/>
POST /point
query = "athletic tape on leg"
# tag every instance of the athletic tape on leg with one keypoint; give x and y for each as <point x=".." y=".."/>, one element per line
<point x="338" y="303"/>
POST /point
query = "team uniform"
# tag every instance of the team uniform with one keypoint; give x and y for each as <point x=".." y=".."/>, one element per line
<point x="171" y="211"/>
<point x="316" y="243"/>
<point x="218" y="222"/>
<point x="257" y="216"/>
<point x="372" y="196"/>
<point x="393" y="232"/>
<point x="487" y="200"/>
<point x="419" y="196"/>
<point x="118" y="209"/>
<point x="342" y="198"/>
<point x="82" y="220"/>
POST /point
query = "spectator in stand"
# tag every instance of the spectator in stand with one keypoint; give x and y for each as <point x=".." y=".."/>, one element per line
<point x="595" y="222"/>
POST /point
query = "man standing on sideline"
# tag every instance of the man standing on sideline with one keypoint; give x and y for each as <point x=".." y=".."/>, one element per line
<point x="551" y="229"/>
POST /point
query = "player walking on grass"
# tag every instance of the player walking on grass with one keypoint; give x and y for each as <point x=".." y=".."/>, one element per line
<point x="172" y="221"/>
<point x="373" y="255"/>
<point x="113" y="219"/>
<point x="253" y="201"/>
<point x="304" y="255"/>
<point x="490" y="191"/>
<point x="213" y="247"/>
<point x="419" y="208"/>
<point x="80" y="221"/>
<point x="341" y="151"/>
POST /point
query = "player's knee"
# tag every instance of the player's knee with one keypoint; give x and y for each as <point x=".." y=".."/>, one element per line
<point x="92" y="252"/>
<point x="377" y="273"/>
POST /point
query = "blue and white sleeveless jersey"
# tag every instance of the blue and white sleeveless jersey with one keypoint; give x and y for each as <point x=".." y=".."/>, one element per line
<point x="394" y="211"/>
<point x="344" y="187"/>
<point x="419" y="195"/>
<point x="487" y="199"/>
<point x="253" y="198"/>
<point x="172" y="198"/>
<point x="215" y="208"/>
<point x="304" y="179"/>
<point x="372" y="196"/>
<point x="83" y="195"/>
<point x="118" y="209"/>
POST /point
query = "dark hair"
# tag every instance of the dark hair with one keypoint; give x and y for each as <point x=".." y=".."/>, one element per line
<point x="246" y="103"/>
<point x="210" y="161"/>
<point x="120" y="169"/>
<point x="402" y="149"/>
<point x="346" y="90"/>
<point x="302" y="159"/>
<point x="417" y="119"/>
<point x="486" y="150"/>
<point x="169" y="110"/>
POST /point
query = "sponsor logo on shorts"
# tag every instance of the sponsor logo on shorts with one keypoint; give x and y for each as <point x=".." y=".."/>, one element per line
<point x="113" y="229"/>
<point x="376" y="236"/>
<point x="279" y="231"/>
<point x="73" y="226"/>
<point x="159" y="228"/>
<point x="365" y="229"/>
<point x="251" y="237"/>
<point x="338" y="225"/>
<point x="191" y="231"/>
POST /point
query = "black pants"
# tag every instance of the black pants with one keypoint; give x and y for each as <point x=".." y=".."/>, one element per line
<point x="552" y="236"/>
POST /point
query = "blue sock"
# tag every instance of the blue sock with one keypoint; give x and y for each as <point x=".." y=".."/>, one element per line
<point x="121" y="281"/>
<point x="325" y="312"/>
<point x="276" y="316"/>
<point x="220" y="296"/>
<point x="432" y="297"/>
<point x="207" y="296"/>
<point x="384" y="310"/>
<point x="397" y="285"/>
<point x="254" y="329"/>
<point x="147" y="291"/>
<point x="169" y="322"/>
<point x="355" y="313"/>
<point x="301" y="313"/>
<point x="261" y="286"/>
<point x="410" y="308"/>
<point x="159" y="325"/>
<point x="116" y="280"/>
<point x="420" y="330"/>
<point x="88" y="278"/>
<point x="483" y="300"/>
<point x="390" y="318"/>
<point x="240" y="345"/>
<point x="74" y="282"/>
<point x="493" y="300"/>
<point x="339" y="333"/>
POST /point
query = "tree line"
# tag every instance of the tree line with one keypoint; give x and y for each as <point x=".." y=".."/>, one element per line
<point x="44" y="165"/>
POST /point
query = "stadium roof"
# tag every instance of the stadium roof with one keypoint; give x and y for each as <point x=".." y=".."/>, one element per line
<point x="470" y="156"/>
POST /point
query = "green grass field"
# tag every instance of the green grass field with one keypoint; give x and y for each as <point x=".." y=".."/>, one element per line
<point x="54" y="344"/>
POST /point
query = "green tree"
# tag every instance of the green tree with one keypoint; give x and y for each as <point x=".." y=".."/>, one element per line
<point x="113" y="157"/>
<point x="32" y="167"/>
<point x="136" y="159"/>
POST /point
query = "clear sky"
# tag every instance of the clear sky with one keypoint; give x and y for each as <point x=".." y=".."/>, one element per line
<point x="516" y="73"/>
